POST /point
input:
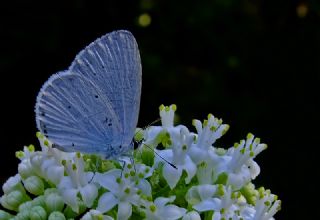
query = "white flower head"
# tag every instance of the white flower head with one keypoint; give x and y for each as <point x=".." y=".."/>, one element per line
<point x="266" y="206"/>
<point x="123" y="192"/>
<point x="177" y="159"/>
<point x="241" y="166"/>
<point x="77" y="181"/>
<point x="95" y="215"/>
<point x="159" y="209"/>
<point x="166" y="134"/>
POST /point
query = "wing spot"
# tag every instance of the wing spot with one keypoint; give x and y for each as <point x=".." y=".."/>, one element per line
<point x="45" y="131"/>
<point x="69" y="106"/>
<point x="72" y="144"/>
<point x="96" y="96"/>
<point x="109" y="124"/>
<point x="43" y="114"/>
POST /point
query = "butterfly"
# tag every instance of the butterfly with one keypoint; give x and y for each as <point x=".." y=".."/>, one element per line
<point x="93" y="106"/>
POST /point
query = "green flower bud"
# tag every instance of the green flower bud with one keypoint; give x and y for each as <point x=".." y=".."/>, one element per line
<point x="50" y="190"/>
<point x="38" y="213"/>
<point x="56" y="216"/>
<point x="13" y="200"/>
<point x="24" y="215"/>
<point x="54" y="202"/>
<point x="25" y="169"/>
<point x="34" y="185"/>
<point x="26" y="206"/>
<point x="39" y="201"/>
<point x="13" y="184"/>
<point x="5" y="215"/>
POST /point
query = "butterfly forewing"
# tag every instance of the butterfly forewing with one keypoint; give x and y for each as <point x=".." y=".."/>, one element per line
<point x="93" y="107"/>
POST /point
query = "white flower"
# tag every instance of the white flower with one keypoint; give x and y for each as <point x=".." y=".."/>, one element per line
<point x="193" y="215"/>
<point x="215" y="198"/>
<point x="177" y="156"/>
<point x="13" y="183"/>
<point x="45" y="163"/>
<point x="167" y="134"/>
<point x="266" y="205"/>
<point x="159" y="209"/>
<point x="76" y="182"/>
<point x="123" y="192"/>
<point x="241" y="167"/>
<point x="95" y="215"/>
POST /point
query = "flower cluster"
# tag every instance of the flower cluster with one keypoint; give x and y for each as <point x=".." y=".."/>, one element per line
<point x="174" y="174"/>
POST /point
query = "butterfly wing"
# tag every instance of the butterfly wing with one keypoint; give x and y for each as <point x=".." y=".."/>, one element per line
<point x="93" y="107"/>
<point x="113" y="63"/>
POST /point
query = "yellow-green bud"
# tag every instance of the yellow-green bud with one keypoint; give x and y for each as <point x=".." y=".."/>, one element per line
<point x="12" y="200"/>
<point x="5" y="215"/>
<point x="34" y="185"/>
<point x="54" y="202"/>
<point x="23" y="215"/>
<point x="38" y="213"/>
<point x="25" y="206"/>
<point x="56" y="216"/>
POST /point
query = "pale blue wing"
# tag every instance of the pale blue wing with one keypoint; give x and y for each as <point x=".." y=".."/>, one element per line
<point x="93" y="107"/>
<point x="113" y="64"/>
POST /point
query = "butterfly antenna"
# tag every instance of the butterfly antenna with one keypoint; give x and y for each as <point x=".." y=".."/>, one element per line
<point x="165" y="160"/>
<point x="140" y="130"/>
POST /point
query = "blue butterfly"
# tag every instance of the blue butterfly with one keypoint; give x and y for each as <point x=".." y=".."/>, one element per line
<point x="93" y="106"/>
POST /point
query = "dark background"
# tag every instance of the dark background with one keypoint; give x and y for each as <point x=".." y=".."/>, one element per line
<point x="255" y="64"/>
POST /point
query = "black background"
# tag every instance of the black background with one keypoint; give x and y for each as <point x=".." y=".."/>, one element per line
<point x="255" y="64"/>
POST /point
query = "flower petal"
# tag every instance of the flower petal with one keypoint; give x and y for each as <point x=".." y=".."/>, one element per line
<point x="70" y="198"/>
<point x="108" y="180"/>
<point x="162" y="201"/>
<point x="190" y="168"/>
<point x="171" y="175"/>
<point x="89" y="193"/>
<point x="65" y="183"/>
<point x="55" y="174"/>
<point x="106" y="202"/>
<point x="145" y="187"/>
<point x="193" y="215"/>
<point x="210" y="204"/>
<point x="124" y="210"/>
<point x="172" y="212"/>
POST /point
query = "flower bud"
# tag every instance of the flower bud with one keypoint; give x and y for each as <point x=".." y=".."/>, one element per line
<point x="54" y="202"/>
<point x="193" y="215"/>
<point x="12" y="184"/>
<point x="38" y="213"/>
<point x="5" y="215"/>
<point x="26" y="206"/>
<point x="34" y="185"/>
<point x="25" y="169"/>
<point x="56" y="216"/>
<point x="24" y="215"/>
<point x="12" y="200"/>
<point x="39" y="201"/>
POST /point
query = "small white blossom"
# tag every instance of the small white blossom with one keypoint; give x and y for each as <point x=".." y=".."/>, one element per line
<point x="95" y="215"/>
<point x="193" y="215"/>
<point x="241" y="167"/>
<point x="76" y="182"/>
<point x="177" y="155"/>
<point x="159" y="209"/>
<point x="123" y="192"/>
